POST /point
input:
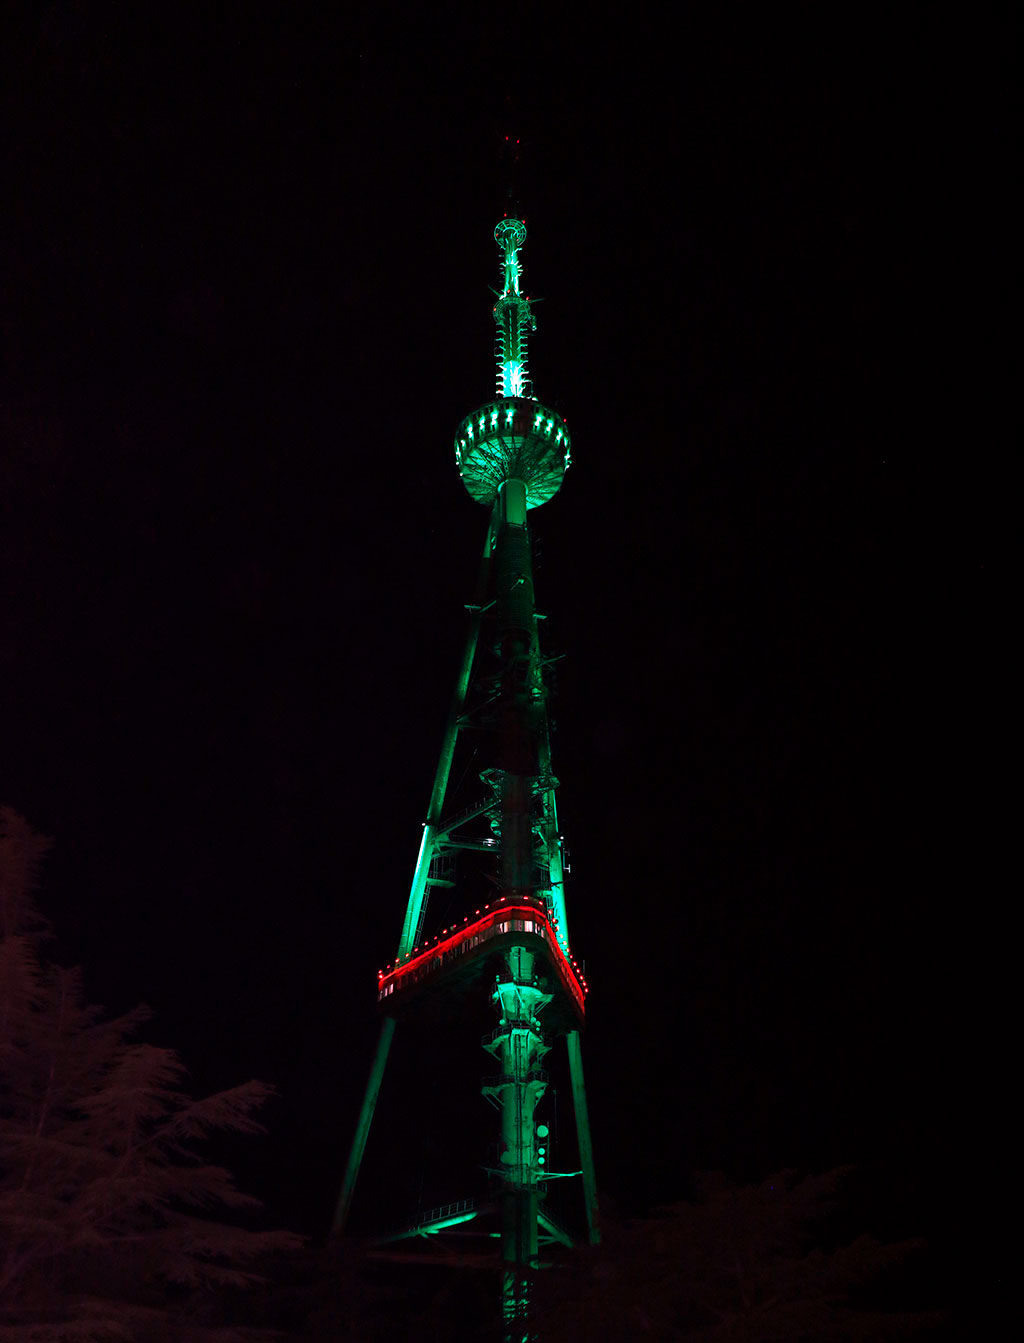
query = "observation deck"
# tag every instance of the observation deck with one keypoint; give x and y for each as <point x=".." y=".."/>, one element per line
<point x="514" y="438"/>
<point x="459" y="956"/>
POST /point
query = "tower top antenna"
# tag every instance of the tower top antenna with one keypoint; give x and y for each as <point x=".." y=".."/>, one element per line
<point x="511" y="150"/>
<point x="512" y="314"/>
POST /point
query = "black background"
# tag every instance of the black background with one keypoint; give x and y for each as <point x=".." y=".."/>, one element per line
<point x="247" y="260"/>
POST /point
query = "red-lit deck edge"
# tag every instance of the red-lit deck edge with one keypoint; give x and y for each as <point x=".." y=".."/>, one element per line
<point x="516" y="916"/>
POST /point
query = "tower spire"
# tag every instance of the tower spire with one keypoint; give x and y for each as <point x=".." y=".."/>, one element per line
<point x="511" y="147"/>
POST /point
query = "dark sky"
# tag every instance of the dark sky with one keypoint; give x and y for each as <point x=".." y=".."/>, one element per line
<point x="246" y="275"/>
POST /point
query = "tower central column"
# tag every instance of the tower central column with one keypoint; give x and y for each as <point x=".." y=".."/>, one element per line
<point x="518" y="744"/>
<point x="518" y="1046"/>
<point x="519" y="1043"/>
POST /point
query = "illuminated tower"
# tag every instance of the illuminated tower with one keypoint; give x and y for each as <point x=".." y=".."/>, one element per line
<point x="497" y="852"/>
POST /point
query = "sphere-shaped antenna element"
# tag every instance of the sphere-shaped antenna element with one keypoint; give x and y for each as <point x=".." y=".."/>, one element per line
<point x="510" y="234"/>
<point x="513" y="439"/>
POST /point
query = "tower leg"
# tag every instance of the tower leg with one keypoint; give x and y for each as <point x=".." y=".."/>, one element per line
<point x="579" y="1105"/>
<point x="417" y="903"/>
<point x="355" y="1156"/>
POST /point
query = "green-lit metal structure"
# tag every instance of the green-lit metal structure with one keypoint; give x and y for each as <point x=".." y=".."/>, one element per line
<point x="513" y="947"/>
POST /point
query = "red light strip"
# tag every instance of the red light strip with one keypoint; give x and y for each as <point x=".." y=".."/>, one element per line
<point x="573" y="980"/>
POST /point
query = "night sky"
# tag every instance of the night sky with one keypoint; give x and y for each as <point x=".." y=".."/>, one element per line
<point x="247" y="261"/>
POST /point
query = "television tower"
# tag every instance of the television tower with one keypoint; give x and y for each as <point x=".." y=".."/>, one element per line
<point x="499" y="858"/>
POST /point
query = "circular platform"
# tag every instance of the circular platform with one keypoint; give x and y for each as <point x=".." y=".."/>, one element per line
<point x="513" y="439"/>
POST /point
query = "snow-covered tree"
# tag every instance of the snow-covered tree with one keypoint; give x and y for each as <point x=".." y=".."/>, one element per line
<point x="112" y="1226"/>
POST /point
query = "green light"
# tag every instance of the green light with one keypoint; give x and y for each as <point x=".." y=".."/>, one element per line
<point x="435" y="1227"/>
<point x="510" y="234"/>
<point x="512" y="314"/>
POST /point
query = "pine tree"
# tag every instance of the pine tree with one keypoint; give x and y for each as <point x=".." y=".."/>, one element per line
<point x="109" y="1222"/>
